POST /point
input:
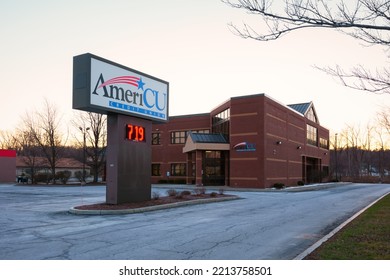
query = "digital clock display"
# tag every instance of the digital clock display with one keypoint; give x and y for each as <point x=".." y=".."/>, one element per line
<point x="135" y="133"/>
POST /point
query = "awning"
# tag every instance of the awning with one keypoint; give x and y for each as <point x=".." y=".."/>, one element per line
<point x="206" y="142"/>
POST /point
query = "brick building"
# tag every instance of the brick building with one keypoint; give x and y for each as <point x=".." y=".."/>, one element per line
<point x="7" y="166"/>
<point x="248" y="141"/>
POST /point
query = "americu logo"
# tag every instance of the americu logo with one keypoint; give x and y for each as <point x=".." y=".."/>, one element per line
<point x="245" y="147"/>
<point x="131" y="93"/>
<point x="131" y="80"/>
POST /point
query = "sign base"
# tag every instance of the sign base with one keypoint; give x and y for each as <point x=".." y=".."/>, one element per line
<point x="128" y="160"/>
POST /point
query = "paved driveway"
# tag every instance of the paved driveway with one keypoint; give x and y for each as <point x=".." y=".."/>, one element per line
<point x="34" y="224"/>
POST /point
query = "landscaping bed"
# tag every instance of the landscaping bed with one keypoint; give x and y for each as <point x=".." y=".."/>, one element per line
<point x="173" y="197"/>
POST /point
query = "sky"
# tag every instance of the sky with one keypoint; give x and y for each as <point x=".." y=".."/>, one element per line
<point x="187" y="43"/>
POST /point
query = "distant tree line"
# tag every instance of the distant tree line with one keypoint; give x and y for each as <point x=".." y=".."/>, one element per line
<point x="42" y="135"/>
<point x="362" y="153"/>
<point x="358" y="165"/>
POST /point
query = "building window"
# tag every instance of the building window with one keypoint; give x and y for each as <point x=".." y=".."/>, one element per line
<point x="178" y="169"/>
<point x="204" y="131"/>
<point x="311" y="135"/>
<point x="221" y="122"/>
<point x="156" y="138"/>
<point x="311" y="115"/>
<point x="156" y="169"/>
<point x="324" y="143"/>
<point x="178" y="137"/>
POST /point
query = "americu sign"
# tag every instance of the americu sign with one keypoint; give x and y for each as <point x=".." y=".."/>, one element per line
<point x="132" y="101"/>
<point x="103" y="86"/>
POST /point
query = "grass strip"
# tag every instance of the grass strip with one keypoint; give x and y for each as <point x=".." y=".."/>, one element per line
<point x="366" y="238"/>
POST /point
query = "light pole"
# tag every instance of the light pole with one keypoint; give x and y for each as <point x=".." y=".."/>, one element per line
<point x="84" y="131"/>
<point x="335" y="155"/>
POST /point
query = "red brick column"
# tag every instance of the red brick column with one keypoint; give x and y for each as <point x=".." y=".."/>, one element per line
<point x="189" y="168"/>
<point x="198" y="172"/>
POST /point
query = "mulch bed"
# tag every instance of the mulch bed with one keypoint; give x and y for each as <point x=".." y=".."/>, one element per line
<point x="153" y="202"/>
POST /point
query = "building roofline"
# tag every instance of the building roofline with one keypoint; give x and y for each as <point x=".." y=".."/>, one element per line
<point x="187" y="116"/>
<point x="236" y="97"/>
<point x="310" y="106"/>
<point x="260" y="94"/>
<point x="292" y="106"/>
<point x="249" y="96"/>
<point x="285" y="106"/>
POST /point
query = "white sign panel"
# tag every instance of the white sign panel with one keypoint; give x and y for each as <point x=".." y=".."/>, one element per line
<point x="121" y="90"/>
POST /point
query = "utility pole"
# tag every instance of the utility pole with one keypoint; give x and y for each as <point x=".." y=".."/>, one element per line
<point x="335" y="156"/>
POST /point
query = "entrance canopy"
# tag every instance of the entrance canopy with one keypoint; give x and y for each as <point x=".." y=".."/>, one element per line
<point x="206" y="142"/>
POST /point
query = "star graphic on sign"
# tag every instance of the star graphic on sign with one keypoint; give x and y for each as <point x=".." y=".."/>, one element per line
<point x="140" y="84"/>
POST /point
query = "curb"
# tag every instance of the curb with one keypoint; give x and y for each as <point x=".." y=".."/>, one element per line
<point x="333" y="232"/>
<point x="316" y="187"/>
<point x="304" y="188"/>
<point x="150" y="208"/>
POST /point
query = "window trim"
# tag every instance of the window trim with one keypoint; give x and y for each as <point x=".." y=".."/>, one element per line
<point x="178" y="139"/>
<point x="311" y="135"/>
<point x="324" y="143"/>
<point x="182" y="169"/>
<point x="158" y="137"/>
<point x="158" y="165"/>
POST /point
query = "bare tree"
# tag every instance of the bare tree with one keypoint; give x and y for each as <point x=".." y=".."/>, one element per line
<point x="355" y="142"/>
<point x="7" y="140"/>
<point x="383" y="132"/>
<point x="383" y="118"/>
<point x="44" y="127"/>
<point x="367" y="146"/>
<point x="365" y="20"/>
<point x="29" y="151"/>
<point x="381" y="146"/>
<point x="95" y="127"/>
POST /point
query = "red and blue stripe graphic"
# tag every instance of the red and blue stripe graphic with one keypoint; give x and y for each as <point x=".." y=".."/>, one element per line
<point x="130" y="80"/>
<point x="240" y="145"/>
<point x="245" y="147"/>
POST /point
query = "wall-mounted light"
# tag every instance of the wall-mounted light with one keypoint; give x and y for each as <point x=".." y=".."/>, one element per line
<point x="279" y="143"/>
<point x="299" y="147"/>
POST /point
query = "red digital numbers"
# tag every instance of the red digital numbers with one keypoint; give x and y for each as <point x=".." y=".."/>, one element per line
<point x="135" y="133"/>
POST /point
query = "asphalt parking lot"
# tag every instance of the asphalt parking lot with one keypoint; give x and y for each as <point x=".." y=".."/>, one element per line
<point x="35" y="224"/>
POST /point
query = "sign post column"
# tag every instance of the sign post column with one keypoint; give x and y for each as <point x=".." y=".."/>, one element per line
<point x="128" y="160"/>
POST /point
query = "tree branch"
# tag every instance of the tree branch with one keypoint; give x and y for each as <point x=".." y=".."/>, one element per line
<point x="309" y="13"/>
<point x="362" y="79"/>
<point x="366" y="20"/>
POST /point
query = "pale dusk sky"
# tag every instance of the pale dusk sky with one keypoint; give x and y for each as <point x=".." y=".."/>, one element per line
<point x="187" y="43"/>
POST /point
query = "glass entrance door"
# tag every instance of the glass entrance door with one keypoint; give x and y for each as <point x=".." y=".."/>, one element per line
<point x="313" y="171"/>
<point x="213" y="166"/>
